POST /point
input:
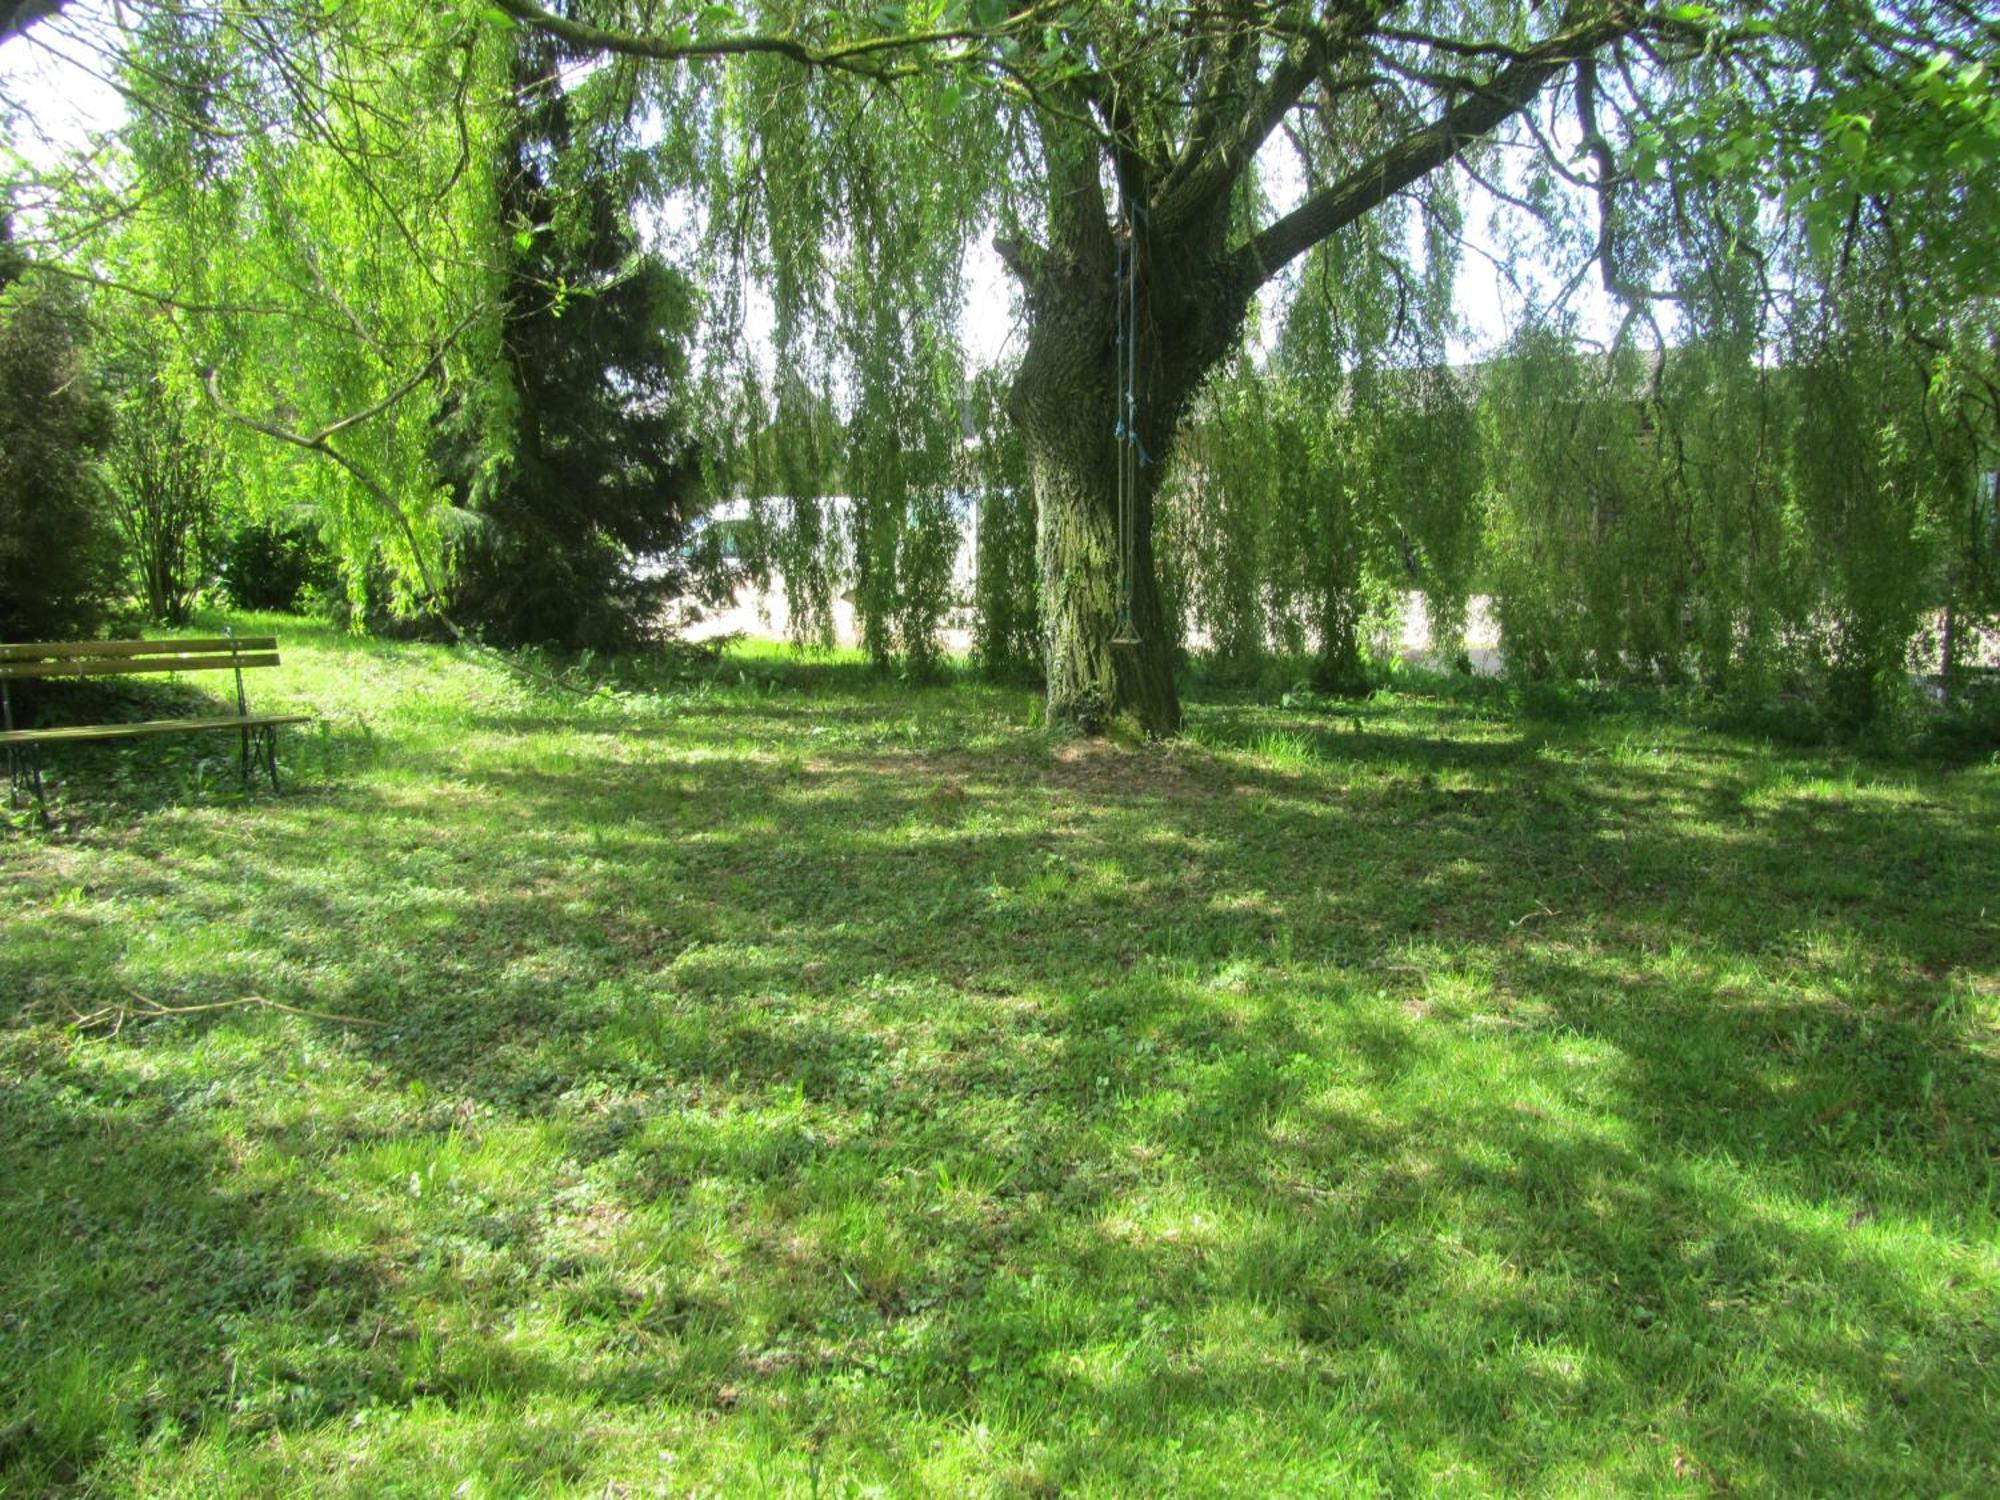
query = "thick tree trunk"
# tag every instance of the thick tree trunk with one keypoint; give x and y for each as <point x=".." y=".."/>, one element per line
<point x="1094" y="676"/>
<point x="1066" y="403"/>
<point x="1190" y="304"/>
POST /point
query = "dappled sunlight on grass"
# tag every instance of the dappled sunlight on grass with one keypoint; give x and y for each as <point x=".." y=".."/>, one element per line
<point x="731" y="1078"/>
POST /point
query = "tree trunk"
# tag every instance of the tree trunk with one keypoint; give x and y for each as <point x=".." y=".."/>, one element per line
<point x="1948" y="666"/>
<point x="1065" y="401"/>
<point x="1338" y="670"/>
<point x="1094" y="676"/>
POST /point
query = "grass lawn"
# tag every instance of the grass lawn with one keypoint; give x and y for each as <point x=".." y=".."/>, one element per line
<point x="795" y="1083"/>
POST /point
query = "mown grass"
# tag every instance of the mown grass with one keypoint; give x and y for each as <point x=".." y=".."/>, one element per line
<point x="788" y="1082"/>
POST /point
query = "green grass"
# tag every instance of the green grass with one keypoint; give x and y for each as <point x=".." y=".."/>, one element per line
<point x="783" y="1081"/>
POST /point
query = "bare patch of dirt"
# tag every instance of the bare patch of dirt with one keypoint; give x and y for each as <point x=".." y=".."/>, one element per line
<point x="1106" y="768"/>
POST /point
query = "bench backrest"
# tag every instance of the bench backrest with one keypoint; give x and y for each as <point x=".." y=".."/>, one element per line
<point x="119" y="658"/>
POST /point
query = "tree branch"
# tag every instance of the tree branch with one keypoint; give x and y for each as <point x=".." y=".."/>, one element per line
<point x="868" y="56"/>
<point x="1391" y="170"/>
<point x="1224" y="77"/>
<point x="321" y="442"/>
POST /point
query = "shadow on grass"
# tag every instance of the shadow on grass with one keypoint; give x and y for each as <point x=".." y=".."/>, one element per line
<point x="1113" y="1089"/>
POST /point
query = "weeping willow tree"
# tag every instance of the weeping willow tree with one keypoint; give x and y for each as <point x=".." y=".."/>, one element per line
<point x="1114" y="152"/>
<point x="842" y="159"/>
<point x="1110" y="151"/>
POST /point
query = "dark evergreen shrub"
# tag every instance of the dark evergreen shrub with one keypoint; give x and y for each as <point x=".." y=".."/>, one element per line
<point x="58" y="540"/>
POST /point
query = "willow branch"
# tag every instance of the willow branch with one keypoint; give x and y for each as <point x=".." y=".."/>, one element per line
<point x="870" y="56"/>
<point x="321" y="442"/>
<point x="173" y="303"/>
<point x="1390" y="171"/>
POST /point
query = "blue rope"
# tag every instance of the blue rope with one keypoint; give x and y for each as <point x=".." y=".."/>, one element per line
<point x="1130" y="434"/>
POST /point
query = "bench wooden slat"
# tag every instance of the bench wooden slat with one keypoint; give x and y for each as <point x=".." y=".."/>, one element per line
<point x="142" y="727"/>
<point x="131" y="666"/>
<point x="166" y="646"/>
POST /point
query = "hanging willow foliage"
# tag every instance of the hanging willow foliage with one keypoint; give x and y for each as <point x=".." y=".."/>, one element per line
<point x="810" y="207"/>
<point x="1006" y="613"/>
<point x="1306" y="510"/>
<point x="1760" y="527"/>
<point x="1322" y="484"/>
<point x="321" y="171"/>
<point x="329" y="301"/>
<point x="1706" y="514"/>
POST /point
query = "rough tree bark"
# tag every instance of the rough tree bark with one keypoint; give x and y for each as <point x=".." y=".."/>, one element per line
<point x="1065" y="401"/>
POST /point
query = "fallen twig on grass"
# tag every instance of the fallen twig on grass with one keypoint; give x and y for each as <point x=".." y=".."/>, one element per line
<point x="148" y="1009"/>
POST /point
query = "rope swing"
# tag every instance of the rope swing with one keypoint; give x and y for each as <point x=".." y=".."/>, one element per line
<point x="1124" y="632"/>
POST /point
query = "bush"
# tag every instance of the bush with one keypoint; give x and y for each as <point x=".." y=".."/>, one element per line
<point x="1968" y="728"/>
<point x="281" y="567"/>
<point x="58" y="541"/>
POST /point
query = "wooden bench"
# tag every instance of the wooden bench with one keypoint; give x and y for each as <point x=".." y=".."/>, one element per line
<point x="259" y="732"/>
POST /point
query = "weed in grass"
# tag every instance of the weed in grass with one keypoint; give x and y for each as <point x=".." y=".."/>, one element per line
<point x="1286" y="750"/>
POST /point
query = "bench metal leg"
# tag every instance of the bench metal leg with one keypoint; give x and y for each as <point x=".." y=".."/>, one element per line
<point x="259" y="747"/>
<point x="19" y="756"/>
<point x="30" y="760"/>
